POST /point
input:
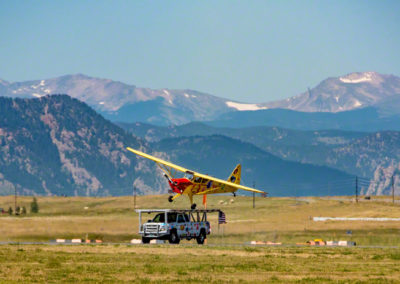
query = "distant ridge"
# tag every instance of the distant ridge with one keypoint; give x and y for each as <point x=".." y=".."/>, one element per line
<point x="219" y="154"/>
<point x="349" y="92"/>
<point x="118" y="101"/>
<point x="373" y="157"/>
<point x="364" y="119"/>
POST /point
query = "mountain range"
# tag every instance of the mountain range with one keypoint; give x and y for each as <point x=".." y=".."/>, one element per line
<point x="122" y="102"/>
<point x="311" y="144"/>
<point x="374" y="157"/>
<point x="59" y="145"/>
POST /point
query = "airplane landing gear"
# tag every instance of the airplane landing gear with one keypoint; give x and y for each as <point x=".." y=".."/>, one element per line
<point x="170" y="198"/>
<point x="234" y="194"/>
<point x="193" y="206"/>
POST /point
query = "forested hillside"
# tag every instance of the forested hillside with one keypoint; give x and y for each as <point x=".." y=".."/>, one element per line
<point x="59" y="145"/>
<point x="218" y="155"/>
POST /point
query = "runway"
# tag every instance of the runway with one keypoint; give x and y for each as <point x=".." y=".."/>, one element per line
<point x="227" y="245"/>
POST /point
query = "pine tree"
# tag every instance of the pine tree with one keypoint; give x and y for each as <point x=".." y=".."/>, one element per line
<point x="34" y="206"/>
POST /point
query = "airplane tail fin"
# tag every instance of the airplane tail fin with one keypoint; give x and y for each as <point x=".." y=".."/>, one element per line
<point x="235" y="175"/>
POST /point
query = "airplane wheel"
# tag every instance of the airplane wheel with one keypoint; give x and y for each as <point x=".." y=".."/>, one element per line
<point x="193" y="206"/>
<point x="234" y="194"/>
<point x="170" y="198"/>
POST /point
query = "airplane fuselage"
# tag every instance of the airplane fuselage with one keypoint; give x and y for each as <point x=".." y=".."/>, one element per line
<point x="197" y="186"/>
<point x="178" y="185"/>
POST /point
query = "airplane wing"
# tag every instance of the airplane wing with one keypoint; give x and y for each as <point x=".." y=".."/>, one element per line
<point x="157" y="160"/>
<point x="238" y="186"/>
<point x="182" y="169"/>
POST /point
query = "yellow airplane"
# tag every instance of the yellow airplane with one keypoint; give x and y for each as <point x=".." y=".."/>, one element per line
<point x="196" y="183"/>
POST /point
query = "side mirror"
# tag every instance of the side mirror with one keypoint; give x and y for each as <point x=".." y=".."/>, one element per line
<point x="149" y="220"/>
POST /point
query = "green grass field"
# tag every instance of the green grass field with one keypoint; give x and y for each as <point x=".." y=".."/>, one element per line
<point x="190" y="264"/>
<point x="285" y="220"/>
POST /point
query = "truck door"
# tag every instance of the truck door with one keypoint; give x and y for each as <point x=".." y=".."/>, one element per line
<point x="181" y="225"/>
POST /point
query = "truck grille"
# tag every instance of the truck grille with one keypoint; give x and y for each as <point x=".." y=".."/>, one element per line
<point x="151" y="229"/>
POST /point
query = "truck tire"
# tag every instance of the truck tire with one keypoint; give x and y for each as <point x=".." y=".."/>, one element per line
<point x="145" y="240"/>
<point x="174" y="238"/>
<point x="200" y="239"/>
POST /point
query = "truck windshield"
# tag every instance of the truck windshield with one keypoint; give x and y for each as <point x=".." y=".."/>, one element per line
<point x="160" y="218"/>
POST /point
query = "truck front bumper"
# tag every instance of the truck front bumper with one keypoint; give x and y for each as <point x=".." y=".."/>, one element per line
<point x="159" y="236"/>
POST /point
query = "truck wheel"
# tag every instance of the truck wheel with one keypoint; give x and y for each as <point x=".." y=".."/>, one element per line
<point x="145" y="240"/>
<point x="201" y="237"/>
<point x="173" y="238"/>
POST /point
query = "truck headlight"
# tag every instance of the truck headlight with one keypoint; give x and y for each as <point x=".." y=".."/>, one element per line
<point x="163" y="228"/>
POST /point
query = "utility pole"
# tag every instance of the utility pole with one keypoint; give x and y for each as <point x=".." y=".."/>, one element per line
<point x="134" y="197"/>
<point x="356" y="189"/>
<point x="15" y="200"/>
<point x="254" y="195"/>
<point x="393" y="188"/>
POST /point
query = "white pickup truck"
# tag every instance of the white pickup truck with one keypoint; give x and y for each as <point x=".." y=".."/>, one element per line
<point x="174" y="225"/>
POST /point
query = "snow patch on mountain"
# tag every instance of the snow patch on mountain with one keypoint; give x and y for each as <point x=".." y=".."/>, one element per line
<point x="357" y="78"/>
<point x="168" y="97"/>
<point x="357" y="103"/>
<point x="243" y="107"/>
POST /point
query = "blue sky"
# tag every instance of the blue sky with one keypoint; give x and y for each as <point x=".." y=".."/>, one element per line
<point x="251" y="51"/>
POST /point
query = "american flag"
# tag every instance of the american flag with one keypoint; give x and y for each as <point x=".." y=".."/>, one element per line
<point x="221" y="218"/>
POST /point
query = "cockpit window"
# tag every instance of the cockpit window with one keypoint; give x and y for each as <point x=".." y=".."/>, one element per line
<point x="188" y="176"/>
<point x="197" y="180"/>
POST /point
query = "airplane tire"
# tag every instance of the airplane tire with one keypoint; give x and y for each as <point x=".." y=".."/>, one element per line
<point x="170" y="198"/>
<point x="173" y="238"/>
<point x="200" y="239"/>
<point x="193" y="206"/>
<point x="145" y="240"/>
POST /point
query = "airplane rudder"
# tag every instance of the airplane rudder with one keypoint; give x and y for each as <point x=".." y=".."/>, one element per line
<point x="236" y="174"/>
